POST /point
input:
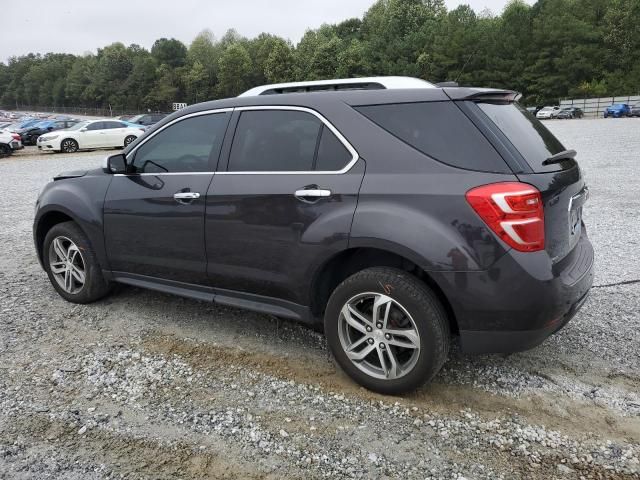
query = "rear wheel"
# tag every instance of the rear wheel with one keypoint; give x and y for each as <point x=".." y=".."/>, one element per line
<point x="71" y="264"/>
<point x="129" y="140"/>
<point x="69" y="145"/>
<point x="387" y="330"/>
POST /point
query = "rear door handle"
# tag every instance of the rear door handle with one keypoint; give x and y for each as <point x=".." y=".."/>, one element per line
<point x="318" y="193"/>
<point x="186" y="197"/>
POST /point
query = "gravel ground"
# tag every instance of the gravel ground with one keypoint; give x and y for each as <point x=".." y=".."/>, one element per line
<point x="144" y="385"/>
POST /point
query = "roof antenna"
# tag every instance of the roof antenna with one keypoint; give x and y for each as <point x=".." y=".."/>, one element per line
<point x="466" y="63"/>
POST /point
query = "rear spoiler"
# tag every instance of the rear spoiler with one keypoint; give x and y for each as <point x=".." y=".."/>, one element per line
<point x="482" y="94"/>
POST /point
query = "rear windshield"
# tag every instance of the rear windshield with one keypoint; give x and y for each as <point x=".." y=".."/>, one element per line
<point x="441" y="131"/>
<point x="527" y="134"/>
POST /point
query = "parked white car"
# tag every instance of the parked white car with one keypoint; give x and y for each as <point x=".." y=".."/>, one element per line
<point x="548" y="112"/>
<point x="105" y="133"/>
<point x="9" y="142"/>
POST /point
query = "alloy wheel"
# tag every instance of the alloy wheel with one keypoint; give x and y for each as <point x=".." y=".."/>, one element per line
<point x="379" y="336"/>
<point x="67" y="265"/>
<point x="69" y="146"/>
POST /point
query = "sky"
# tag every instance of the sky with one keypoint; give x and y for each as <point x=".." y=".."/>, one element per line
<point x="79" y="26"/>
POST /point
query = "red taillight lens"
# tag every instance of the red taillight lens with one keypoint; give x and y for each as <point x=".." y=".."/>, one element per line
<point x="513" y="211"/>
<point x="16" y="136"/>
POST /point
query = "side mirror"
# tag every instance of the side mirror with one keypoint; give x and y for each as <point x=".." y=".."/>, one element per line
<point x="83" y="129"/>
<point x="50" y="129"/>
<point x="117" y="163"/>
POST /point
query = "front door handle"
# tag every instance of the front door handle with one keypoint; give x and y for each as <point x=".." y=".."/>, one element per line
<point x="186" y="197"/>
<point x="313" y="192"/>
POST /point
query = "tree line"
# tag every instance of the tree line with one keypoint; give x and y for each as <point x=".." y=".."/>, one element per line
<point x="550" y="50"/>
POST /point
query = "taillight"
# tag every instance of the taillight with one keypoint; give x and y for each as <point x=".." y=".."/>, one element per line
<point x="16" y="136"/>
<point x="513" y="211"/>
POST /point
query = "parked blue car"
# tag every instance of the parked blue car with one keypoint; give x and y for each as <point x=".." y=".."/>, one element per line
<point x="617" y="110"/>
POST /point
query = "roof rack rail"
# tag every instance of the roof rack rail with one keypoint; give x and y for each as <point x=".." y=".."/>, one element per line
<point x="365" y="83"/>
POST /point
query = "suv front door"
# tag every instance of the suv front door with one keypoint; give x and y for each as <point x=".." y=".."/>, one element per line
<point x="284" y="203"/>
<point x="154" y="216"/>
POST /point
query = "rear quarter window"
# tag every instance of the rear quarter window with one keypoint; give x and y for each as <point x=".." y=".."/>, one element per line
<point x="525" y="132"/>
<point x="441" y="131"/>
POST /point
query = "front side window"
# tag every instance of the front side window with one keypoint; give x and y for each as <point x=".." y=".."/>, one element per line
<point x="185" y="146"/>
<point x="274" y="141"/>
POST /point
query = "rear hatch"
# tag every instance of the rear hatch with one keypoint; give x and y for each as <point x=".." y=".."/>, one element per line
<point x="537" y="157"/>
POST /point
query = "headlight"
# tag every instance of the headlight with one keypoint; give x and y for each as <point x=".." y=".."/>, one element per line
<point x="46" y="139"/>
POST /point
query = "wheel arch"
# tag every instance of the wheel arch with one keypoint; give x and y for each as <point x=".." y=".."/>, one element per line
<point x="348" y="262"/>
<point x="45" y="223"/>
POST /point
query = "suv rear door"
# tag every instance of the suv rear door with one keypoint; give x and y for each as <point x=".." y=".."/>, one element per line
<point x="283" y="202"/>
<point x="154" y="216"/>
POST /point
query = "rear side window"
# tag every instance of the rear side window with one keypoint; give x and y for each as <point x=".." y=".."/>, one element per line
<point x="186" y="146"/>
<point x="274" y="141"/>
<point x="441" y="131"/>
<point x="527" y="134"/>
<point x="332" y="154"/>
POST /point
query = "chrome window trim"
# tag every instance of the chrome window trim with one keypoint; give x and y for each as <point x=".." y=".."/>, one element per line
<point x="354" y="154"/>
<point x="334" y="130"/>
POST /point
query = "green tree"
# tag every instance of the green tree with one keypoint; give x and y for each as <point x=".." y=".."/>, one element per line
<point x="280" y="64"/>
<point x="234" y="69"/>
<point x="170" y="52"/>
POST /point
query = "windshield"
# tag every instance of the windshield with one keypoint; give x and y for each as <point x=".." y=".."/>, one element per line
<point x="78" y="126"/>
<point x="530" y="137"/>
<point x="135" y="119"/>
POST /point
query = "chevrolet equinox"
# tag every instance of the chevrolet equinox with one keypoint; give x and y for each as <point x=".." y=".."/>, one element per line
<point x="390" y="212"/>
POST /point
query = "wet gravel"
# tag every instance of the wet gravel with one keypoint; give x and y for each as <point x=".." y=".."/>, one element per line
<point x="145" y="385"/>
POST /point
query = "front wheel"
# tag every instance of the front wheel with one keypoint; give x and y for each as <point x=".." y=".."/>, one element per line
<point x="387" y="330"/>
<point x="69" y="145"/>
<point x="128" y="140"/>
<point x="71" y="264"/>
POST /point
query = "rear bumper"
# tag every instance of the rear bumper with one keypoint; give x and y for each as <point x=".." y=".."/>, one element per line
<point x="489" y="341"/>
<point x="520" y="300"/>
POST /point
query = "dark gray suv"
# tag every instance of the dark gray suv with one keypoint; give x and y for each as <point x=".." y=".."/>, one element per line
<point x="394" y="218"/>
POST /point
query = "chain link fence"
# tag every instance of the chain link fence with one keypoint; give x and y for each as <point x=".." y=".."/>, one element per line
<point x="83" y="111"/>
<point x="594" y="107"/>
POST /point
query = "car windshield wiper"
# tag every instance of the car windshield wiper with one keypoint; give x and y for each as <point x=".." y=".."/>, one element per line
<point x="558" y="157"/>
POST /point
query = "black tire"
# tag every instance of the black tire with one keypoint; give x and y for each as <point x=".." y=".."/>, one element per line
<point x="418" y="300"/>
<point x="69" y="145"/>
<point x="5" y="150"/>
<point x="129" y="139"/>
<point x="95" y="286"/>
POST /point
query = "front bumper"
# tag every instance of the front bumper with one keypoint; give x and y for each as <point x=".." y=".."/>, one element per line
<point x="521" y="300"/>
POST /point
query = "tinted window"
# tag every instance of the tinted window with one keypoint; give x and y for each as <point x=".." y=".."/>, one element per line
<point x="185" y="146"/>
<point x="96" y="126"/>
<point x="530" y="137"/>
<point x="332" y="154"/>
<point x="113" y="125"/>
<point x="439" y="130"/>
<point x="274" y="140"/>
